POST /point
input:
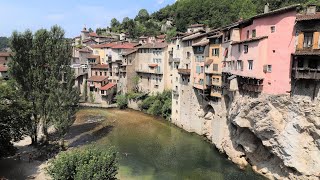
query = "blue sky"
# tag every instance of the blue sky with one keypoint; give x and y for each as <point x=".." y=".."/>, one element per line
<point x="72" y="15"/>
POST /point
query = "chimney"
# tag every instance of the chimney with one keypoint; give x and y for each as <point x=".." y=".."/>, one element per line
<point x="266" y="8"/>
<point x="311" y="9"/>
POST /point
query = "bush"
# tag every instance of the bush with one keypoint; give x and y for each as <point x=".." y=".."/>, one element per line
<point x="88" y="163"/>
<point x="158" y="105"/>
<point x="155" y="108"/>
<point x="145" y="105"/>
<point x="133" y="95"/>
<point x="122" y="101"/>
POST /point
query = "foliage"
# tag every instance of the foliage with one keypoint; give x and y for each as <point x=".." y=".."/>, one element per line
<point x="134" y="95"/>
<point x="89" y="163"/>
<point x="92" y="98"/>
<point x="4" y="42"/>
<point x="41" y="68"/>
<point x="122" y="101"/>
<point x="90" y="30"/>
<point x="14" y="119"/>
<point x="158" y="105"/>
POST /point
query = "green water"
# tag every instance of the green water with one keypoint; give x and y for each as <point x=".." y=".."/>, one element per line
<point x="151" y="148"/>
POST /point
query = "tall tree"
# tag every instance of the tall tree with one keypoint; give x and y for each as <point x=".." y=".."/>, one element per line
<point x="41" y="66"/>
<point x="14" y="119"/>
<point x="142" y="16"/>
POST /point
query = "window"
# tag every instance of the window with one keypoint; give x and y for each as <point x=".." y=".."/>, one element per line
<point x="202" y="69"/>
<point x="187" y="66"/>
<point x="273" y="29"/>
<point x="102" y="91"/>
<point x="200" y="49"/>
<point x="215" y="67"/>
<point x="178" y="47"/>
<point x="239" y="47"/>
<point x="100" y="73"/>
<point x="246" y="48"/>
<point x="188" y="55"/>
<point x="250" y="64"/>
<point x="215" y="52"/>
<point x="269" y="68"/>
<point x="254" y="33"/>
<point x="198" y="69"/>
<point x="308" y="39"/>
<point x="248" y="34"/>
<point x="239" y="65"/>
<point x="96" y="73"/>
<point x="199" y="58"/>
<point x="189" y="43"/>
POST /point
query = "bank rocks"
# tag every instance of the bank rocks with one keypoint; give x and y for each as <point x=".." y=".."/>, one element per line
<point x="278" y="135"/>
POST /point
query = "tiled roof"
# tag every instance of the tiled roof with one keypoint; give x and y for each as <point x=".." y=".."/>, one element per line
<point x="84" y="50"/>
<point x="196" y="25"/>
<point x="250" y="40"/>
<point x="105" y="45"/>
<point x="124" y="46"/>
<point x="184" y="71"/>
<point x="97" y="78"/>
<point x="108" y="86"/>
<point x="127" y="52"/>
<point x="93" y="34"/>
<point x="100" y="66"/>
<point x="93" y="56"/>
<point x="277" y="11"/>
<point x="307" y="53"/>
<point x="193" y="36"/>
<point x="307" y="17"/>
<point x="4" y="54"/>
<point x="153" y="45"/>
<point x="163" y="36"/>
<point x="87" y="40"/>
<point x="215" y="36"/>
<point x="3" y="68"/>
<point x="201" y="43"/>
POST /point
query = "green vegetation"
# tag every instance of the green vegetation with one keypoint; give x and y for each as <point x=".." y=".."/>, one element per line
<point x="15" y="117"/>
<point x="122" y="101"/>
<point x="4" y="43"/>
<point x="92" y="99"/>
<point x="89" y="163"/>
<point x="41" y="68"/>
<point x="213" y="13"/>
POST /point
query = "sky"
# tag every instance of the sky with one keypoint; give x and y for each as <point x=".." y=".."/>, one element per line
<point x="71" y="15"/>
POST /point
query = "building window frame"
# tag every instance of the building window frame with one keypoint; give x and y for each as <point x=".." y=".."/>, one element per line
<point x="246" y="48"/>
<point x="250" y="65"/>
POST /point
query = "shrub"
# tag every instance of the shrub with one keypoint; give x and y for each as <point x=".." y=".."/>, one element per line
<point x="122" y="101"/>
<point x="155" y="108"/>
<point x="145" y="105"/>
<point x="88" y="163"/>
<point x="166" y="109"/>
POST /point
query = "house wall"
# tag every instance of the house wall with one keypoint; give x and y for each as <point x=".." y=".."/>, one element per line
<point x="99" y="72"/>
<point x="126" y="81"/>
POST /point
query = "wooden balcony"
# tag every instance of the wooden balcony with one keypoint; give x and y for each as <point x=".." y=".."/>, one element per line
<point x="252" y="88"/>
<point x="306" y="73"/>
<point x="185" y="72"/>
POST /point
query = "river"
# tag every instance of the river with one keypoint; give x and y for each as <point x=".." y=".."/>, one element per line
<point x="152" y="148"/>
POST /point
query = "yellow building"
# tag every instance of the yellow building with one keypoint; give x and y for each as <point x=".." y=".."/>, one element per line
<point x="213" y="65"/>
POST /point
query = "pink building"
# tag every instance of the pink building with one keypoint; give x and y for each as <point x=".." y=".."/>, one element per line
<point x="261" y="59"/>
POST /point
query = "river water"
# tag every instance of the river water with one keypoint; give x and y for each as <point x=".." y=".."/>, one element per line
<point x="152" y="148"/>
<point x="149" y="148"/>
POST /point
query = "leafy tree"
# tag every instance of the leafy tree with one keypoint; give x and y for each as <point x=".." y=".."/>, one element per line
<point x="41" y="67"/>
<point x="115" y="25"/>
<point x="89" y="163"/>
<point x="14" y="119"/>
<point x="122" y="101"/>
<point x="142" y="16"/>
<point x="4" y="42"/>
<point x="90" y="30"/>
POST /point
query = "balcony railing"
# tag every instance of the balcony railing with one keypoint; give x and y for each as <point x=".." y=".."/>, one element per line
<point x="306" y="73"/>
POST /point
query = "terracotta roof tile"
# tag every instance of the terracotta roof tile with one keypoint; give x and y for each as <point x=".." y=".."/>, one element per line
<point x="201" y="43"/>
<point x="4" y="54"/>
<point x="105" y="45"/>
<point x="208" y="62"/>
<point x="100" y="66"/>
<point x="93" y="34"/>
<point x="193" y="36"/>
<point x="250" y="40"/>
<point x="127" y="52"/>
<point x="108" y="86"/>
<point x="153" y="65"/>
<point x="307" y="17"/>
<point x="3" y="68"/>
<point x="97" y="78"/>
<point x="87" y="40"/>
<point x="84" y="50"/>
<point x="124" y="46"/>
<point x="157" y="45"/>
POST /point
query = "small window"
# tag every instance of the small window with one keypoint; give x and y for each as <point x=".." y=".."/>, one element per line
<point x="246" y="48"/>
<point x="215" y="67"/>
<point x="254" y="33"/>
<point x="188" y="55"/>
<point x="239" y="65"/>
<point x="248" y="34"/>
<point x="105" y="73"/>
<point x="96" y="73"/>
<point x="215" y="52"/>
<point x="250" y="64"/>
<point x="273" y="29"/>
<point x="178" y="47"/>
<point x="269" y="68"/>
<point x="308" y="39"/>
<point x="100" y="73"/>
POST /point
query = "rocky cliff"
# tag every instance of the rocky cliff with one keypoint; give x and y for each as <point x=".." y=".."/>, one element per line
<point x="278" y="135"/>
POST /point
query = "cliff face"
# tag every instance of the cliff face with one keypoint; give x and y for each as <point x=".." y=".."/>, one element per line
<point x="278" y="135"/>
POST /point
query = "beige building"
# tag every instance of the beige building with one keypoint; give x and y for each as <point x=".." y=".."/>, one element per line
<point x="127" y="71"/>
<point x="152" y="67"/>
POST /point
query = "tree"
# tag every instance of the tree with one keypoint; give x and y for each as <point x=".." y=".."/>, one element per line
<point x="90" y="30"/>
<point x="142" y="16"/>
<point x="41" y="67"/>
<point x="4" y="42"/>
<point x="14" y="119"/>
<point x="89" y="163"/>
<point x="115" y="25"/>
<point x="122" y="101"/>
